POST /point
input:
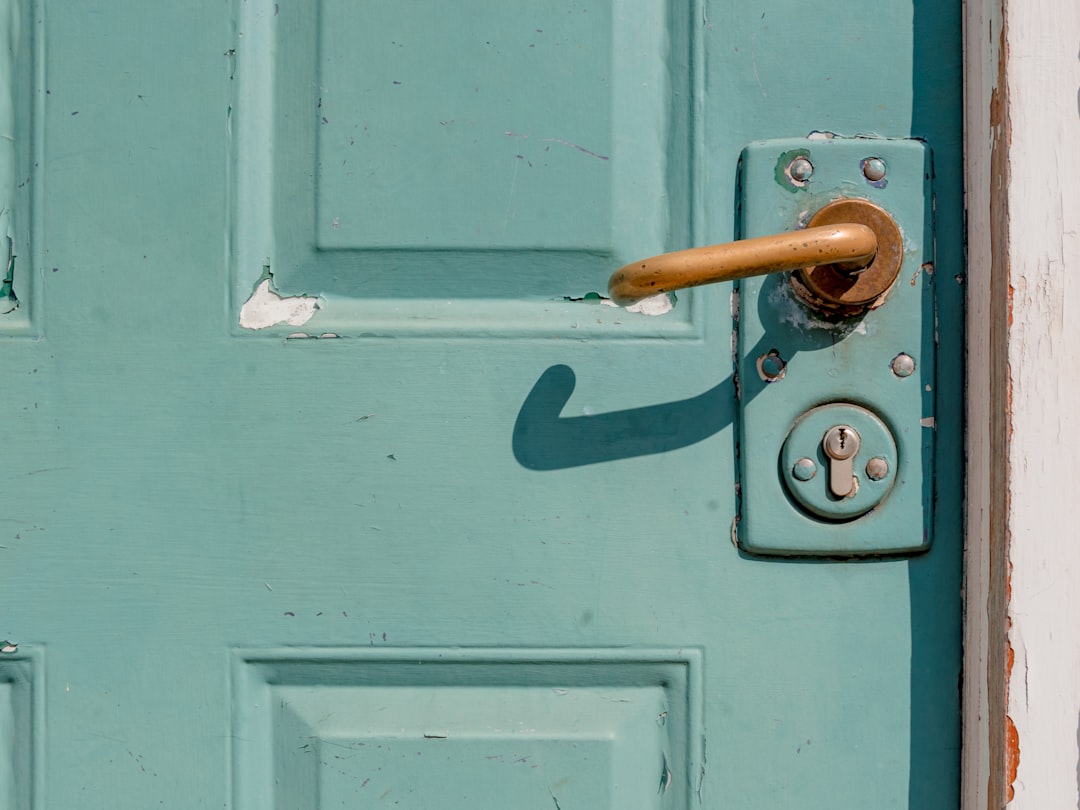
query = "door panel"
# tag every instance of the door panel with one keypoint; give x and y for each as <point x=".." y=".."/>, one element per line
<point x="446" y="528"/>
<point x="459" y="171"/>
<point x="604" y="729"/>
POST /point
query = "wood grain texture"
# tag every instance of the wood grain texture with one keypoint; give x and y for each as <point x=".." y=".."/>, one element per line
<point x="985" y="561"/>
<point x="1043" y="199"/>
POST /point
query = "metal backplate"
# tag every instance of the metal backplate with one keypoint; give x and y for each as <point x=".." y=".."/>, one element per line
<point x="836" y="359"/>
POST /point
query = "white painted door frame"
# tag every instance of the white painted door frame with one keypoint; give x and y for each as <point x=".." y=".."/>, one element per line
<point x="1022" y="624"/>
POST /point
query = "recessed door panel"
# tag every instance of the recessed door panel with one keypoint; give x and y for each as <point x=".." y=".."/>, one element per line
<point x="498" y="157"/>
<point x="319" y="727"/>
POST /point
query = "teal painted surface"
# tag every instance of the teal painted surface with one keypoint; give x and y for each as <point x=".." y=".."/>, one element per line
<point x="477" y="467"/>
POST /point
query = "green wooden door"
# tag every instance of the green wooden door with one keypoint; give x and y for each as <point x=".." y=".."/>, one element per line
<point x="329" y="482"/>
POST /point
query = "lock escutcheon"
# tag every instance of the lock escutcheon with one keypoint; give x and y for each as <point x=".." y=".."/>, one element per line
<point x="840" y="353"/>
<point x="843" y="438"/>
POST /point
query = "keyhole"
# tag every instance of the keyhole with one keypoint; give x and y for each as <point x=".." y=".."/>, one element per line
<point x="841" y="443"/>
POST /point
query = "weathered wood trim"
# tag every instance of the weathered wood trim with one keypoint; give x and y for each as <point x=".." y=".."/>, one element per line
<point x="1022" y="633"/>
<point x="986" y="173"/>
<point x="1042" y="117"/>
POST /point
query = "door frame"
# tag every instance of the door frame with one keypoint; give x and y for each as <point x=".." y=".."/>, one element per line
<point x="1021" y="683"/>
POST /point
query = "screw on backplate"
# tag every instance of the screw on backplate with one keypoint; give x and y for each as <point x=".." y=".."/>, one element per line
<point x="873" y="169"/>
<point x="804" y="469"/>
<point x="903" y="365"/>
<point x="800" y="170"/>
<point x="877" y="468"/>
<point x="771" y="367"/>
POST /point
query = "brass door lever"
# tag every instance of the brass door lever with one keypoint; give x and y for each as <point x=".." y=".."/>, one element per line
<point x="848" y="256"/>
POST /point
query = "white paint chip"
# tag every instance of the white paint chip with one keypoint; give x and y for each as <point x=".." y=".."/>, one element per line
<point x="653" y="305"/>
<point x="928" y="422"/>
<point x="267" y="308"/>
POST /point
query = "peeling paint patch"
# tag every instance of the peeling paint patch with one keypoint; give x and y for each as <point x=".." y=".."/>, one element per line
<point x="927" y="268"/>
<point x="1012" y="757"/>
<point x="665" y="776"/>
<point x="790" y="310"/>
<point x="587" y="298"/>
<point x="771" y="367"/>
<point x="783" y="170"/>
<point x="928" y="422"/>
<point x="654" y="305"/>
<point x="266" y="308"/>
<point x="8" y="302"/>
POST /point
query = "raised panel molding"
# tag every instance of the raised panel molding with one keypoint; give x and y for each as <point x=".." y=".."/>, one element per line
<point x="22" y="776"/>
<point x="22" y="105"/>
<point x="418" y="176"/>
<point x="467" y="728"/>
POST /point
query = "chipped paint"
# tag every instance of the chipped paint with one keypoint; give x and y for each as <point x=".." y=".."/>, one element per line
<point x="927" y="268"/>
<point x="783" y="170"/>
<point x="1012" y="735"/>
<point x="654" y="305"/>
<point x="8" y="301"/>
<point x="1012" y="758"/>
<point x="788" y="307"/>
<point x="736" y="303"/>
<point x="266" y="308"/>
<point x="776" y="370"/>
<point x="657" y="305"/>
<point x="9" y="42"/>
